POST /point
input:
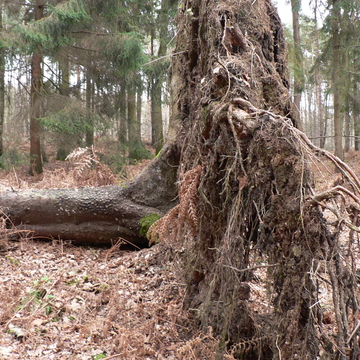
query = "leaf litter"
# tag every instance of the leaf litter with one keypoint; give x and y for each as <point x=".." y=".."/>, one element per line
<point x="59" y="301"/>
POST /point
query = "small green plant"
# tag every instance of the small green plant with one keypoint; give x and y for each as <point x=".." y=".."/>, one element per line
<point x="71" y="282"/>
<point x="13" y="261"/>
<point x="43" y="280"/>
<point x="38" y="297"/>
<point x="138" y="152"/>
<point x="101" y="288"/>
<point x="12" y="157"/>
<point x="48" y="310"/>
<point x="99" y="356"/>
<point x="146" y="222"/>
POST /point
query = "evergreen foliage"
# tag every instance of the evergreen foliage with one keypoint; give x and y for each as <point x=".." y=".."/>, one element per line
<point x="106" y="39"/>
<point x="73" y="119"/>
<point x="124" y="51"/>
<point x="55" y="30"/>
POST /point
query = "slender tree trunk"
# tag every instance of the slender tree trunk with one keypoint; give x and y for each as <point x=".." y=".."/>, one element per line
<point x="157" y="82"/>
<point x="139" y="107"/>
<point x="298" y="70"/>
<point x="64" y="74"/>
<point x="64" y="87"/>
<point x="123" y="128"/>
<point x="2" y="87"/>
<point x="131" y="111"/>
<point x="137" y="150"/>
<point x="318" y="93"/>
<point x="345" y="100"/>
<point x="89" y="136"/>
<point x="35" y="102"/>
<point x="336" y="79"/>
<point x="327" y="123"/>
<point x="347" y="124"/>
<point x="356" y="112"/>
<point x="157" y="135"/>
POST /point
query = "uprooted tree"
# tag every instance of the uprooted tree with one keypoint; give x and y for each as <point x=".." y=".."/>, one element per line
<point x="246" y="195"/>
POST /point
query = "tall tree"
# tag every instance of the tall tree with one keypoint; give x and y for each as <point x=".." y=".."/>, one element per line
<point x="161" y="32"/>
<point x="122" y="113"/>
<point x="298" y="66"/>
<point x="90" y="88"/>
<point x="2" y="84"/>
<point x="137" y="150"/>
<point x="356" y="110"/>
<point x="335" y="21"/>
<point x="35" y="100"/>
<point x="318" y="82"/>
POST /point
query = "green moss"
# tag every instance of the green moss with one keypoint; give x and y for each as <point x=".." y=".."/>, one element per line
<point x="158" y="154"/>
<point x="146" y="222"/>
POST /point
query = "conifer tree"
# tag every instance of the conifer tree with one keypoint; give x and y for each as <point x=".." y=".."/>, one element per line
<point x="158" y="69"/>
<point x="2" y="84"/>
<point x="335" y="21"/>
<point x="298" y="68"/>
<point x="35" y="105"/>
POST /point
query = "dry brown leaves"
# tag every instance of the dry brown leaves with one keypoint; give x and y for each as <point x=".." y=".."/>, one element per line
<point x="185" y="213"/>
<point x="83" y="168"/>
<point x="65" y="302"/>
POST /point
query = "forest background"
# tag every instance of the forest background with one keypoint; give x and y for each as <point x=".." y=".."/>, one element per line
<point x="82" y="73"/>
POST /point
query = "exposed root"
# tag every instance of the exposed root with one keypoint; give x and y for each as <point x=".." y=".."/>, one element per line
<point x="262" y="193"/>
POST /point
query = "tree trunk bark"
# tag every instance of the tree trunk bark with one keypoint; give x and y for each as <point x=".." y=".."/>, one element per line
<point x="157" y="135"/>
<point x="2" y="87"/>
<point x="134" y="141"/>
<point x="356" y="112"/>
<point x="98" y="215"/>
<point x="63" y="143"/>
<point x="318" y="92"/>
<point x="35" y="102"/>
<point x="339" y="152"/>
<point x="123" y="125"/>
<point x="139" y="103"/>
<point x="137" y="150"/>
<point x="89" y="135"/>
<point x="298" y="70"/>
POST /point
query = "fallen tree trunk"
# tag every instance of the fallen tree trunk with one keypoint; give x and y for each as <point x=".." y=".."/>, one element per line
<point x="96" y="215"/>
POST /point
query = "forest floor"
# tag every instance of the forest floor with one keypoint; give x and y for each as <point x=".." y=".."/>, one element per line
<point x="60" y="301"/>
